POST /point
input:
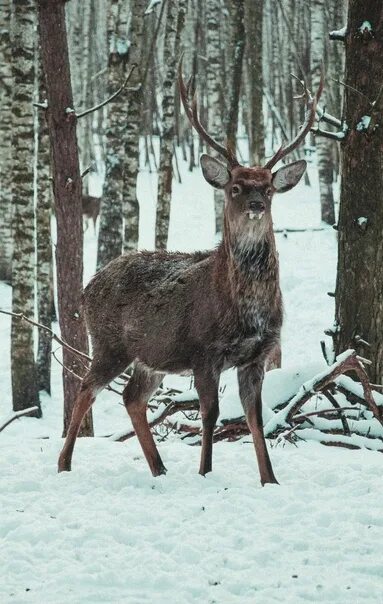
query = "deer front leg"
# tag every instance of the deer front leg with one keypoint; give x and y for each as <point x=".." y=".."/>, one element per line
<point x="206" y="383"/>
<point x="250" y="379"/>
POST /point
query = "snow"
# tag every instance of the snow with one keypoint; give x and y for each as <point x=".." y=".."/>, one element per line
<point x="109" y="532"/>
<point x="366" y="26"/>
<point x="152" y="4"/>
<point x="364" y="123"/>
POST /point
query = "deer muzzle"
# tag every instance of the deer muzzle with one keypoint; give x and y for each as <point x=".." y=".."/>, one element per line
<point x="256" y="209"/>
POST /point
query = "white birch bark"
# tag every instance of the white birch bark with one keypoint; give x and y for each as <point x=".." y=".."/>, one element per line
<point x="111" y="219"/>
<point x="24" y="377"/>
<point x="323" y="146"/>
<point x="5" y="141"/>
<point x="215" y="124"/>
<point x="165" y="171"/>
<point x="132" y="121"/>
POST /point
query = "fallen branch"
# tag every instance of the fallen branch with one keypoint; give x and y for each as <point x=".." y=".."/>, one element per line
<point x="16" y="415"/>
<point x="162" y="413"/>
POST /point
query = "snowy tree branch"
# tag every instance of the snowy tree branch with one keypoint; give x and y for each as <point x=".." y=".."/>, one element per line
<point x="16" y="415"/>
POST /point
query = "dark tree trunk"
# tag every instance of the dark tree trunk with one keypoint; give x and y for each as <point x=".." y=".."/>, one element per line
<point x="254" y="81"/>
<point x="67" y="194"/>
<point x="44" y="268"/>
<point x="237" y="49"/>
<point x="359" y="291"/>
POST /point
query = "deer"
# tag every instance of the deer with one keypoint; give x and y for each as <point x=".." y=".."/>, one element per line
<point x="90" y="210"/>
<point x="171" y="312"/>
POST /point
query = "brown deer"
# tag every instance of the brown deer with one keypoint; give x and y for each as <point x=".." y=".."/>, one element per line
<point x="207" y="311"/>
<point x="90" y="210"/>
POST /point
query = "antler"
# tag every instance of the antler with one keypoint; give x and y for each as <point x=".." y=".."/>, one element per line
<point x="307" y="125"/>
<point x="191" y="111"/>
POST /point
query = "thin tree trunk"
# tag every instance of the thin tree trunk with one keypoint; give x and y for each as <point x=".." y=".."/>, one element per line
<point x="323" y="146"/>
<point x="44" y="269"/>
<point x="24" y="376"/>
<point x="214" y="92"/>
<point x="165" y="172"/>
<point x="254" y="81"/>
<point x="5" y="142"/>
<point x="237" y="49"/>
<point x="359" y="292"/>
<point x="132" y="135"/>
<point x="67" y="194"/>
<point x="111" y="223"/>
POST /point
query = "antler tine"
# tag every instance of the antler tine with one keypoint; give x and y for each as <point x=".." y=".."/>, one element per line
<point x="192" y="114"/>
<point x="307" y="125"/>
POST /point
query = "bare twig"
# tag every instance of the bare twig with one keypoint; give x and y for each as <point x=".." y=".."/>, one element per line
<point x="55" y="337"/>
<point x="16" y="415"/>
<point x="111" y="98"/>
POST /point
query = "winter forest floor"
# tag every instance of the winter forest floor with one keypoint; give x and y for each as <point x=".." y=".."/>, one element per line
<point x="109" y="532"/>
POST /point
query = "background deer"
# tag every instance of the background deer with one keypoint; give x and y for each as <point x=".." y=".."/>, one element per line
<point x="207" y="311"/>
<point x="90" y="210"/>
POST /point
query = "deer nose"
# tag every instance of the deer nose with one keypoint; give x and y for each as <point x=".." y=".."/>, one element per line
<point x="256" y="206"/>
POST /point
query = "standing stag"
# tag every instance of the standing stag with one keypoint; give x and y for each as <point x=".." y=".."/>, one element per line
<point x="205" y="312"/>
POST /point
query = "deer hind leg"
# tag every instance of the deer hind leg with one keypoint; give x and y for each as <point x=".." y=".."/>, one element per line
<point x="250" y="380"/>
<point x="99" y="375"/>
<point x="206" y="382"/>
<point x="135" y="396"/>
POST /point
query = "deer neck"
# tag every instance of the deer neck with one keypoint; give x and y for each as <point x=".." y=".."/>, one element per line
<point x="250" y="254"/>
<point x="249" y="273"/>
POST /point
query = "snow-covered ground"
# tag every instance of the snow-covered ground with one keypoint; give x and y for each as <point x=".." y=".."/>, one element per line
<point x="109" y="532"/>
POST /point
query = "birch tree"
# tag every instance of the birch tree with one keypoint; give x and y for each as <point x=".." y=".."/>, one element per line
<point x="5" y="141"/>
<point x="132" y="121"/>
<point x="111" y="219"/>
<point x="215" y="123"/>
<point x="324" y="147"/>
<point x="24" y="376"/>
<point x="165" y="171"/>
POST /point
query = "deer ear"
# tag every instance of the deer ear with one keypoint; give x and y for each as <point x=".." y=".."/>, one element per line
<point x="214" y="171"/>
<point x="288" y="176"/>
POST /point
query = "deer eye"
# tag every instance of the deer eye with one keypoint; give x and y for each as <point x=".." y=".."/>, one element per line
<point x="268" y="191"/>
<point x="236" y="190"/>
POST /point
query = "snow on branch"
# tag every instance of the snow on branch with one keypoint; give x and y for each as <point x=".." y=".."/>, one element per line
<point x="338" y="34"/>
<point x="150" y="8"/>
<point x="354" y="426"/>
<point x="16" y="415"/>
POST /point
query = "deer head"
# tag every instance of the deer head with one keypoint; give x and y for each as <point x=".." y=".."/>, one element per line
<point x="248" y="190"/>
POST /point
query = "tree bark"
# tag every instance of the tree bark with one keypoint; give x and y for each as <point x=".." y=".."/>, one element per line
<point x="237" y="49"/>
<point x="215" y="124"/>
<point x="24" y="376"/>
<point x="132" y="121"/>
<point x="5" y="142"/>
<point x="254" y="81"/>
<point x="111" y="223"/>
<point x="67" y="194"/>
<point x="44" y="267"/>
<point x="324" y="147"/>
<point x="359" y="292"/>
<point x="165" y="171"/>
